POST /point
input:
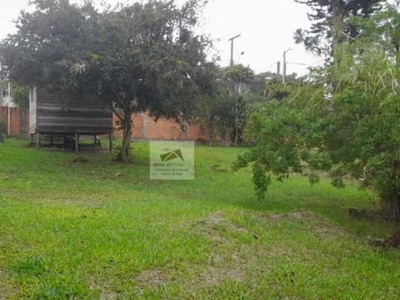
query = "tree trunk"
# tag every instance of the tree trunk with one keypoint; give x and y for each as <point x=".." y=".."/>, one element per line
<point x="240" y="121"/>
<point x="394" y="240"/>
<point x="124" y="152"/>
<point x="336" y="26"/>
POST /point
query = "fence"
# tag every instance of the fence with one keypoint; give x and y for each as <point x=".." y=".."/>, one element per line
<point x="14" y="121"/>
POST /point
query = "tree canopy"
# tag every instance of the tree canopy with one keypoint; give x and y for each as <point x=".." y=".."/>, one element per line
<point x="330" y="26"/>
<point x="139" y="57"/>
<point x="237" y="79"/>
<point x="352" y="132"/>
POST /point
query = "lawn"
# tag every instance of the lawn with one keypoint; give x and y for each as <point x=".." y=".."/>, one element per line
<point x="98" y="229"/>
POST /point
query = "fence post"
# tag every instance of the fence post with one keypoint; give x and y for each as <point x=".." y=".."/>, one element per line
<point x="8" y="121"/>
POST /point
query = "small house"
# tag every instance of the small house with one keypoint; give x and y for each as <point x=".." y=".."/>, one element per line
<point x="52" y="114"/>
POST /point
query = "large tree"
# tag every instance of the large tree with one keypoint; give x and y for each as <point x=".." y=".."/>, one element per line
<point x="48" y="41"/>
<point x="140" y="57"/>
<point x="330" y="25"/>
<point x="353" y="132"/>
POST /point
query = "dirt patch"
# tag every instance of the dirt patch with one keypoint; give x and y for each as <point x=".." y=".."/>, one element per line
<point x="292" y="216"/>
<point x="214" y="276"/>
<point x="7" y="289"/>
<point x="319" y="227"/>
<point x="109" y="296"/>
<point x="215" y="218"/>
<point x="80" y="159"/>
<point x="229" y="260"/>
<point x="217" y="227"/>
<point x="218" y="169"/>
<point x="330" y="230"/>
<point x="151" y="278"/>
<point x="219" y="218"/>
<point x="233" y="263"/>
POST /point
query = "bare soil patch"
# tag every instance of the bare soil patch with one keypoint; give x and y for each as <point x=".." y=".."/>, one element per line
<point x="292" y="216"/>
<point x="151" y="278"/>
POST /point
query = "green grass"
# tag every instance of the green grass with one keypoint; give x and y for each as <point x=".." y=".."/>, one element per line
<point x="103" y="230"/>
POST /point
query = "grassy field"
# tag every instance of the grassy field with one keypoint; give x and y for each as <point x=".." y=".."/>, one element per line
<point x="103" y="230"/>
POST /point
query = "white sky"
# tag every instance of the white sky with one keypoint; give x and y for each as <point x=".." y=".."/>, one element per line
<point x="266" y="28"/>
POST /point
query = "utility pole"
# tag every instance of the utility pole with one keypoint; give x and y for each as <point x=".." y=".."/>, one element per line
<point x="231" y="40"/>
<point x="284" y="65"/>
<point x="278" y="68"/>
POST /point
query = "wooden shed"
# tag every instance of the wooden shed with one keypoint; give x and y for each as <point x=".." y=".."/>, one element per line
<point x="53" y="114"/>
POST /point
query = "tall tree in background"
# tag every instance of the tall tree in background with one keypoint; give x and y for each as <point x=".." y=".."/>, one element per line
<point x="330" y="25"/>
<point x="383" y="28"/>
<point x="238" y="79"/>
<point x="217" y="115"/>
<point x="140" y="57"/>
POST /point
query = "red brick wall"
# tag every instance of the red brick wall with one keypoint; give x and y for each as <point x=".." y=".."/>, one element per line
<point x="145" y="127"/>
<point x="16" y="127"/>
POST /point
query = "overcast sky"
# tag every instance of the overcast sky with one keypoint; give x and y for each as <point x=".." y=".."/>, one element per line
<point x="266" y="28"/>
